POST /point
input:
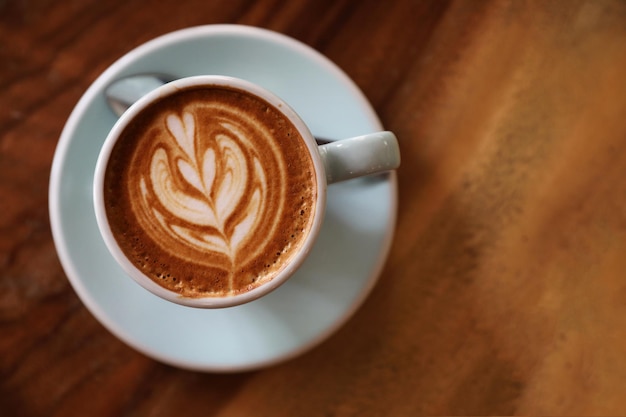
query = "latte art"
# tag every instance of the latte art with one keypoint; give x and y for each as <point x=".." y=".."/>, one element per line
<point x="214" y="197"/>
<point x="221" y="181"/>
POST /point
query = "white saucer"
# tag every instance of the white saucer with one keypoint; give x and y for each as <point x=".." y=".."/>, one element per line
<point x="329" y="287"/>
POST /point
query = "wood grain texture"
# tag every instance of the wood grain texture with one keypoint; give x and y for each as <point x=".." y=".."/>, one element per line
<point x="505" y="290"/>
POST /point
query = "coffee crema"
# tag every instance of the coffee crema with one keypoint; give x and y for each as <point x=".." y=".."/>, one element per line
<point x="210" y="191"/>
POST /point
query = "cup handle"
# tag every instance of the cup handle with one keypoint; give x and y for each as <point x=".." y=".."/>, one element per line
<point x="358" y="156"/>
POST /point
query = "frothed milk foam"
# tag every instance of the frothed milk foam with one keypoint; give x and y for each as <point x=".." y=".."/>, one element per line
<point x="210" y="191"/>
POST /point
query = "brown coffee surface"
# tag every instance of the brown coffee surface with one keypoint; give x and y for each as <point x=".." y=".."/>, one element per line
<point x="210" y="191"/>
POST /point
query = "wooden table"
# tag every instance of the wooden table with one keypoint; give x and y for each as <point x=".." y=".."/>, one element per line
<point x="505" y="288"/>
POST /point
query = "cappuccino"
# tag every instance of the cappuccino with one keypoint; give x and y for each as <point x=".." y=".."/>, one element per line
<point x="210" y="191"/>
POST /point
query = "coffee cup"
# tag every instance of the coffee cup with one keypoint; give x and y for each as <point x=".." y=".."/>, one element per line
<point x="210" y="191"/>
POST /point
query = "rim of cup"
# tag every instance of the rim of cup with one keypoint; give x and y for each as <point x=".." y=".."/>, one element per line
<point x="131" y="269"/>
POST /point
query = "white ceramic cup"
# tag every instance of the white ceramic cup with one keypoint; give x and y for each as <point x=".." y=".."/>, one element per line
<point x="337" y="161"/>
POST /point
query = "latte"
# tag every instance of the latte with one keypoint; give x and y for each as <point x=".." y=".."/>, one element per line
<point x="210" y="191"/>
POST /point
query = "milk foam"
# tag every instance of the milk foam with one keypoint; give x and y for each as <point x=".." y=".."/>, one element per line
<point x="224" y="174"/>
<point x="206" y="192"/>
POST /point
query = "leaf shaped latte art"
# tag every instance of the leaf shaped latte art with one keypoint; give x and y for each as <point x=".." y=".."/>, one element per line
<point x="210" y="190"/>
